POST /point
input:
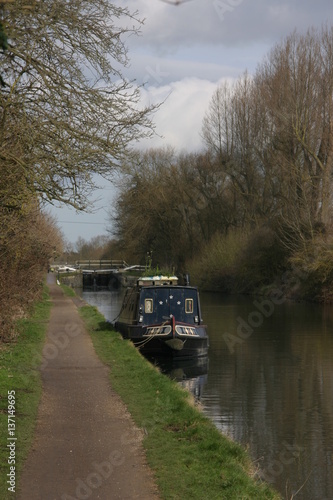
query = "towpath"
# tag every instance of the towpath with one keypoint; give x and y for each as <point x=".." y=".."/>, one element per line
<point x="86" y="446"/>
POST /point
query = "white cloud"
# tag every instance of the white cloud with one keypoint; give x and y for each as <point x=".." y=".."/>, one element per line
<point x="179" y="119"/>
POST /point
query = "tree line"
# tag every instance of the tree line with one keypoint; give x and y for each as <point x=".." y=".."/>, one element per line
<point x="257" y="199"/>
<point x="66" y="114"/>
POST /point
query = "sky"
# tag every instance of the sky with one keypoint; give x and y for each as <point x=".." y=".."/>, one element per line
<point x="181" y="56"/>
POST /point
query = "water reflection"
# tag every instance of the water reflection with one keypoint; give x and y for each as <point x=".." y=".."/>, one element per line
<point x="269" y="388"/>
<point x="274" y="391"/>
<point x="108" y="303"/>
<point x="190" y="374"/>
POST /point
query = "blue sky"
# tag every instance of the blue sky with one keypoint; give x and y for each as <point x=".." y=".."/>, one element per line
<point x="182" y="54"/>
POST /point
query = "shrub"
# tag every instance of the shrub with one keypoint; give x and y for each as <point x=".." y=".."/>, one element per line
<point x="242" y="261"/>
<point x="263" y="258"/>
<point x="216" y="265"/>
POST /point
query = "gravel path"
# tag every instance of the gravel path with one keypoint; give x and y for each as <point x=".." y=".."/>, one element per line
<point x="86" y="446"/>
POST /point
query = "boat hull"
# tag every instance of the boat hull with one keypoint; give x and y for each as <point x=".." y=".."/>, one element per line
<point x="169" y="345"/>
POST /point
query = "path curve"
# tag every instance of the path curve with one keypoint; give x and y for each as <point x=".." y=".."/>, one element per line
<point x="86" y="445"/>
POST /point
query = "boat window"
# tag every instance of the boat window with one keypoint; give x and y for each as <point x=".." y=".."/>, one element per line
<point x="189" y="306"/>
<point x="148" y="306"/>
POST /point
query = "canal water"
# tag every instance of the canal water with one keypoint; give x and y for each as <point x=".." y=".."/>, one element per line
<point x="267" y="383"/>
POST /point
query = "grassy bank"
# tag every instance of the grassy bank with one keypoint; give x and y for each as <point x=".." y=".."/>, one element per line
<point x="19" y="376"/>
<point x="189" y="456"/>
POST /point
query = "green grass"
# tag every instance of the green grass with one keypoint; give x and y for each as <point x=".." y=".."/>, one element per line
<point x="190" y="458"/>
<point x="19" y="372"/>
<point x="68" y="291"/>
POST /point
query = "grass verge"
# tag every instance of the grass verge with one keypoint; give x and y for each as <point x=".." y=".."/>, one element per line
<point x="188" y="455"/>
<point x="20" y="376"/>
<point x="68" y="291"/>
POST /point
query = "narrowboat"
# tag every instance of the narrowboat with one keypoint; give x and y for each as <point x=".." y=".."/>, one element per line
<point x="163" y="318"/>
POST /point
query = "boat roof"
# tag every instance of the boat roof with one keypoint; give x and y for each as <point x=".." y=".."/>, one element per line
<point x="157" y="280"/>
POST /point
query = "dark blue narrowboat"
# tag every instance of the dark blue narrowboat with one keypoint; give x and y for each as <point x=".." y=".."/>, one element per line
<point x="163" y="318"/>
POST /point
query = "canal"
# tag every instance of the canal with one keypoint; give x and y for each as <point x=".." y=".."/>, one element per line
<point x="267" y="383"/>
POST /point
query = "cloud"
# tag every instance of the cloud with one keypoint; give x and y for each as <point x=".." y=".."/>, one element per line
<point x="186" y="50"/>
<point x="179" y="119"/>
<point x="227" y="23"/>
<point x="152" y="70"/>
<point x="213" y="39"/>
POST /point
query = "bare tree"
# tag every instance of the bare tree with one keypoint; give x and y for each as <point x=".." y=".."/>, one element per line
<point x="233" y="133"/>
<point x="273" y="135"/>
<point x="66" y="112"/>
<point x="171" y="204"/>
<point x="146" y="215"/>
<point x="218" y="127"/>
<point x="296" y="85"/>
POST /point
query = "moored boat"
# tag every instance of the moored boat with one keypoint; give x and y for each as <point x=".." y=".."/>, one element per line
<point x="163" y="318"/>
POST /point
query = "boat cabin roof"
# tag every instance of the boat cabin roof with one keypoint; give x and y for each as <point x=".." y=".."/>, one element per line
<point x="157" y="281"/>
